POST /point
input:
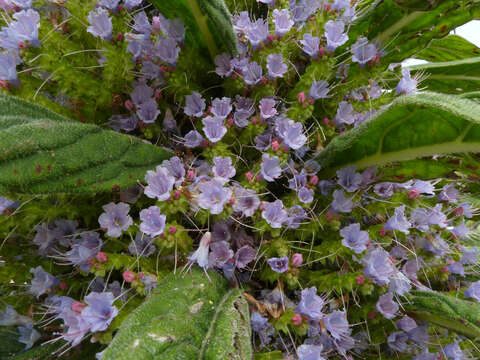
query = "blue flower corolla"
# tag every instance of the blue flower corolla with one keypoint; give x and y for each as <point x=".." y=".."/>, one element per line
<point x="276" y="66"/>
<point x="423" y="187"/>
<point x="221" y="231"/>
<point x="311" y="45"/>
<point x="142" y="246"/>
<point x="130" y="4"/>
<point x="363" y="51"/>
<point x="245" y="255"/>
<point x="469" y="256"/>
<point x="223" y="63"/>
<point x="100" y="310"/>
<point x="148" y="111"/>
<point x="115" y="219"/>
<point x="159" y="183"/>
<point x="319" y="90"/>
<point x="378" y="266"/>
<point x="283" y="22"/>
<point x="109" y="4"/>
<point x="267" y="108"/>
<point x="270" y="168"/>
<point x="263" y="141"/>
<point x="454" y="352"/>
<point x="220" y="253"/>
<point x="79" y="256"/>
<point x="310" y="352"/>
<point x="340" y="203"/>
<point x="437" y="217"/>
<point x="221" y="108"/>
<point x="223" y="169"/>
<point x="24" y="29"/>
<point x="426" y="355"/>
<point x="76" y="326"/>
<point x="305" y="195"/>
<point x="345" y="114"/>
<point x="397" y="341"/>
<point x="252" y="73"/>
<point x="11" y="318"/>
<point x="292" y="134"/>
<point x="406" y="323"/>
<point x="274" y="214"/>
<point x="461" y="231"/>
<point x="473" y="291"/>
<point x="298" y="181"/>
<point x="42" y="282"/>
<point x="6" y="204"/>
<point x="398" y="221"/>
<point x="456" y="268"/>
<point x="337" y="325"/>
<point x="296" y="215"/>
<point x="100" y="24"/>
<point x="172" y="28"/>
<point x="449" y="193"/>
<point x="349" y="179"/>
<point x="142" y="24"/>
<point x="406" y="85"/>
<point x="334" y="32"/>
<point x="465" y="209"/>
<point x="192" y="139"/>
<point x="213" y="196"/>
<point x="386" y="306"/>
<point x="246" y="201"/>
<point x="384" y="189"/>
<point x="119" y="122"/>
<point x="311" y="304"/>
<point x="214" y="128"/>
<point x="8" y="70"/>
<point x="419" y="219"/>
<point x="194" y="105"/>
<point x="279" y="265"/>
<point x="153" y="222"/>
<point x="242" y="22"/>
<point x="257" y="32"/>
<point x="175" y="167"/>
<point x="261" y="326"/>
<point x="200" y="256"/>
<point x="28" y="335"/>
<point x="22" y="4"/>
<point x="354" y="238"/>
<point x="141" y="94"/>
<point x="167" y="50"/>
<point x="301" y="10"/>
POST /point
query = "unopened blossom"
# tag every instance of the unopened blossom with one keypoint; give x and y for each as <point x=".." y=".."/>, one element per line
<point x="115" y="219"/>
<point x="214" y="128"/>
<point x="221" y="108"/>
<point x="100" y="24"/>
<point x="160" y="183"/>
<point x="200" y="256"/>
<point x="473" y="291"/>
<point x="334" y="32"/>
<point x="270" y="168"/>
<point x="363" y="51"/>
<point x="100" y="310"/>
<point x="42" y="281"/>
<point x="223" y="168"/>
<point x="153" y="222"/>
<point x="193" y="139"/>
<point x="252" y="73"/>
<point x="310" y="352"/>
<point x="341" y="203"/>
<point x="386" y="306"/>
<point x="319" y="90"/>
<point x="194" y="104"/>
<point x="279" y="265"/>
<point x="283" y="22"/>
<point x="246" y="201"/>
<point x="276" y="66"/>
<point x="310" y="45"/>
<point x="274" y="214"/>
<point x="337" y="325"/>
<point x="213" y="196"/>
<point x="406" y="85"/>
<point x="223" y="64"/>
<point x="378" y="266"/>
<point x="398" y="221"/>
<point x="142" y="246"/>
<point x="354" y="238"/>
<point x="311" y="304"/>
<point x="349" y="179"/>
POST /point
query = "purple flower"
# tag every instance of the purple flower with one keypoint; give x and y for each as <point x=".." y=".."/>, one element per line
<point x="200" y="256"/>
<point x="172" y="28"/>
<point x="406" y="323"/>
<point x="465" y="209"/>
<point x="410" y="268"/>
<point x="141" y="94"/>
<point x="141" y="22"/>
<point x="214" y="128"/>
<point x="8" y="69"/>
<point x="175" y="168"/>
<point x="193" y="139"/>
<point x="246" y="201"/>
<point x="469" y="256"/>
<point x="223" y="169"/>
<point x="224" y="65"/>
<point x="194" y="104"/>
<point x="454" y="352"/>
<point x="310" y="352"/>
<point x="386" y="306"/>
<point x="153" y="222"/>
<point x="24" y="29"/>
<point x="261" y="326"/>
<point x="130" y="4"/>
<point x="263" y="141"/>
<point x="279" y="265"/>
<point x="100" y="310"/>
<point x="221" y="108"/>
<point x="335" y="35"/>
<point x="384" y="189"/>
<point x="109" y="4"/>
<point x="296" y="215"/>
<point x="355" y="239"/>
<point x="319" y="90"/>
<point x="437" y="217"/>
<point x="220" y="253"/>
<point x="363" y="51"/>
<point x="257" y="32"/>
<point x="167" y="50"/>
<point x="28" y="335"/>
<point x="378" y="266"/>
<point x="244" y="256"/>
<point x="221" y="231"/>
<point x="419" y="219"/>
<point x="406" y="85"/>
<point x="305" y="195"/>
<point x="213" y="196"/>
<point x="276" y="66"/>
<point x="293" y="135"/>
<point x="283" y="22"/>
<point x="23" y="4"/>
<point x="275" y="214"/>
<point x="270" y="168"/>
<point x="148" y="111"/>
<point x="456" y="268"/>
<point x="118" y="122"/>
<point x="142" y="246"/>
<point x="336" y="323"/>
<point x="340" y="203"/>
<point x="399" y="284"/>
<point x="45" y="238"/>
<point x="423" y="187"/>
<point x="100" y="24"/>
<point x="76" y="325"/>
<point x="160" y="183"/>
<point x="461" y="231"/>
<point x="42" y="282"/>
<point x="473" y="291"/>
<point x="242" y="22"/>
<point x="398" y="341"/>
<point x="311" y="304"/>
<point x="349" y="179"/>
<point x="11" y="318"/>
<point x="449" y="193"/>
<point x="398" y="221"/>
<point x="345" y="114"/>
<point x="252" y="73"/>
<point x="115" y="218"/>
<point x="298" y="181"/>
<point x="267" y="108"/>
<point x="310" y="45"/>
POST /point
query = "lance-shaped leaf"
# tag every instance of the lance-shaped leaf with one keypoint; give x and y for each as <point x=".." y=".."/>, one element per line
<point x="453" y="77"/>
<point x="208" y="23"/>
<point x="449" y="48"/>
<point x="186" y="317"/>
<point x="43" y="152"/>
<point x="460" y="316"/>
<point x="412" y="127"/>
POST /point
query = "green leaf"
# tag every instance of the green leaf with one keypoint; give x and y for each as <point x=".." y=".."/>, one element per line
<point x="449" y="48"/>
<point x="458" y="315"/>
<point x="412" y="127"/>
<point x="453" y="77"/>
<point x="272" y="355"/>
<point x="186" y="317"/>
<point x="208" y="23"/>
<point x="43" y="152"/>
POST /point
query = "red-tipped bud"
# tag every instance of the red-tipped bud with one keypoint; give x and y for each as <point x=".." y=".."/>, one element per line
<point x="297" y="320"/>
<point x="204" y="143"/>
<point x="382" y="232"/>
<point x="156" y="24"/>
<point x="129" y="105"/>
<point x="327" y="7"/>
<point x="264" y="80"/>
<point x="101" y="257"/>
<point x="314" y="180"/>
<point x="301" y="97"/>
<point x="158" y="94"/>
<point x="176" y="194"/>
<point x="249" y="176"/>
<point x="371" y="315"/>
<point x="275" y="145"/>
<point x="258" y="177"/>
<point x="326" y="121"/>
<point x="444" y="269"/>
<point x="458" y="211"/>
<point x="413" y="194"/>
<point x="172" y="229"/>
<point x="321" y="51"/>
<point x="190" y="175"/>
<point x="360" y="279"/>
<point x="128" y="276"/>
<point x="141" y="275"/>
<point x="120" y="37"/>
<point x="230" y="121"/>
<point x="297" y="260"/>
<point x="254" y="121"/>
<point x="63" y="286"/>
<point x="231" y="201"/>
<point x="270" y="38"/>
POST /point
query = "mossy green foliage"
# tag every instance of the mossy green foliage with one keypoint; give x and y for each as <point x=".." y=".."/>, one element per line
<point x="187" y="316"/>
<point x="43" y="152"/>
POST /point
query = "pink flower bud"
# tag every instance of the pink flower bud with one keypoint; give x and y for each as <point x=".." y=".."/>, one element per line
<point x="314" y="180"/>
<point x="91" y="262"/>
<point x="204" y="143"/>
<point x="297" y="320"/>
<point x="254" y="121"/>
<point x="413" y="194"/>
<point x="77" y="306"/>
<point x="230" y="121"/>
<point x="264" y="80"/>
<point x="172" y="229"/>
<point x="326" y="121"/>
<point x="101" y="257"/>
<point x="258" y="177"/>
<point x="458" y="211"/>
<point x="120" y="37"/>
<point x="141" y="275"/>
<point x="297" y="260"/>
<point x="270" y="38"/>
<point x="444" y="269"/>
<point x="128" y="276"/>
<point x="190" y="174"/>
<point x="129" y="105"/>
<point x="450" y="261"/>
<point x="176" y="194"/>
<point x="158" y="94"/>
<point x="249" y="176"/>
<point x="301" y="97"/>
<point x="360" y="279"/>
<point x="321" y="51"/>
<point x="63" y="286"/>
<point x="231" y="201"/>
<point x="382" y="232"/>
<point x="327" y="7"/>
<point x="275" y="145"/>
<point x="156" y="24"/>
<point x="371" y="315"/>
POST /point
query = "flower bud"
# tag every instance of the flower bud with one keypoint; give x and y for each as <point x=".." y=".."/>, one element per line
<point x="172" y="229"/>
<point x="156" y="24"/>
<point x="297" y="320"/>
<point x="297" y="260"/>
<point x="314" y="180"/>
<point x="190" y="175"/>
<point x="128" y="276"/>
<point x="101" y="257"/>
<point x="360" y="279"/>
<point x="249" y="176"/>
<point x="275" y="145"/>
<point x="413" y="194"/>
<point x="129" y="105"/>
<point x="176" y="194"/>
<point x="301" y="97"/>
<point x="63" y="286"/>
<point x="326" y="121"/>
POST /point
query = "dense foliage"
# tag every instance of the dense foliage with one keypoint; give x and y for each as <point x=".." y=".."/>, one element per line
<point x="234" y="179"/>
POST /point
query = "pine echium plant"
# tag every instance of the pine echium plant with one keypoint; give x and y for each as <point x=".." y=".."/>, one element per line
<point x="239" y="179"/>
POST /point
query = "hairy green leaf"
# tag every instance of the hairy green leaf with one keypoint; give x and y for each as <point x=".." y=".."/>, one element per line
<point x="43" y="152"/>
<point x="458" y="315"/>
<point x="454" y="77"/>
<point x="186" y="317"/>
<point x="412" y="127"/>
<point x="449" y="48"/>
<point x="208" y="23"/>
